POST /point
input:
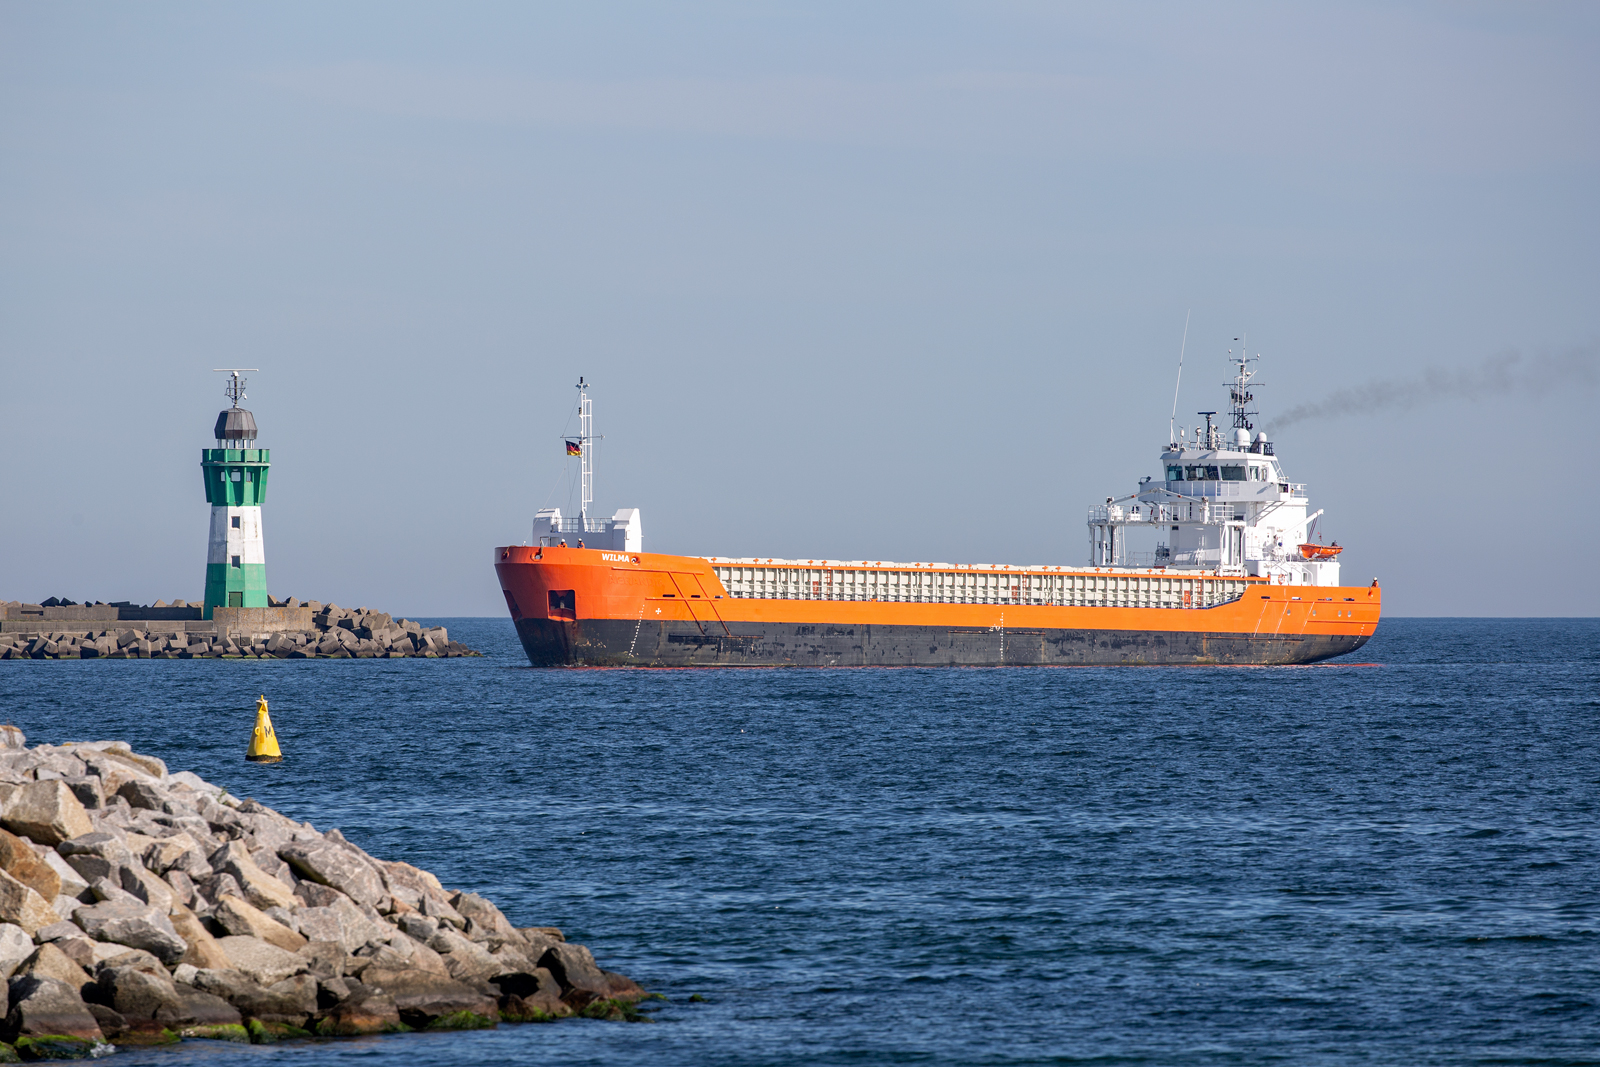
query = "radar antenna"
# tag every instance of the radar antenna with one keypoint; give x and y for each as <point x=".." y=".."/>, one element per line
<point x="234" y="390"/>
<point x="1239" y="394"/>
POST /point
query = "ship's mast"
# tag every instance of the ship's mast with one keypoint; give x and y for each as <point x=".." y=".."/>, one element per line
<point x="1239" y="393"/>
<point x="585" y="452"/>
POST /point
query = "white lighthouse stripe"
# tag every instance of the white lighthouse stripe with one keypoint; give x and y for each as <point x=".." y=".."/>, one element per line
<point x="244" y="542"/>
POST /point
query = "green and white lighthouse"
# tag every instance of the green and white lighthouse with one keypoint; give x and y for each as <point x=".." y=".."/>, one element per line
<point x="236" y="487"/>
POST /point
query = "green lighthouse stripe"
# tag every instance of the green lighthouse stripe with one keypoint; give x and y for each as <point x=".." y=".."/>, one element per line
<point x="235" y="477"/>
<point x="225" y="582"/>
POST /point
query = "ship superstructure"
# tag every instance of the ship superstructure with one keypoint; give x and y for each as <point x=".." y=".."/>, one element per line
<point x="1234" y="579"/>
<point x="622" y="532"/>
<point x="1224" y="505"/>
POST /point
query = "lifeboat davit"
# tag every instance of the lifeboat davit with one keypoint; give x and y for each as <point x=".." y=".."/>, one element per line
<point x="1320" y="551"/>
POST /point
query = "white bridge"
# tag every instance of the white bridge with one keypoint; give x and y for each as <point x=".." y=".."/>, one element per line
<point x="1224" y="505"/>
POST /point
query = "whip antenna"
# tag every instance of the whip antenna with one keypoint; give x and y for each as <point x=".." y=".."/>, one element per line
<point x="1172" y="425"/>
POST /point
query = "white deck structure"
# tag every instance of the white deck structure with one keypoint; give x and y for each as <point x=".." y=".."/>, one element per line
<point x="1225" y="505"/>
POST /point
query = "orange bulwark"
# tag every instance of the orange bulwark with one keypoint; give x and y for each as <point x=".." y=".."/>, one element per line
<point x="586" y="607"/>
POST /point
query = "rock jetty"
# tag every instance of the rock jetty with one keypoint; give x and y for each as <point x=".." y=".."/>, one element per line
<point x="139" y="906"/>
<point x="324" y="631"/>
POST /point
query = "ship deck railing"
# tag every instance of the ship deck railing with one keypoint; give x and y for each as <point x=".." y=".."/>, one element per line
<point x="1032" y="588"/>
<point x="577" y="525"/>
<point x="1193" y="512"/>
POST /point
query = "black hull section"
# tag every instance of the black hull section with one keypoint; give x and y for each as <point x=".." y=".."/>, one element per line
<point x="627" y="643"/>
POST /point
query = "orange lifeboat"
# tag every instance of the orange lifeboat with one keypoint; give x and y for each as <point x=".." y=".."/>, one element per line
<point x="1320" y="551"/>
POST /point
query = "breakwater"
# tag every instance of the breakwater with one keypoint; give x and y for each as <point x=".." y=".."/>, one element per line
<point x="291" y="629"/>
<point x="139" y="906"/>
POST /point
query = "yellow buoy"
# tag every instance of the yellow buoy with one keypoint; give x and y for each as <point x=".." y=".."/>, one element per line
<point x="264" y="742"/>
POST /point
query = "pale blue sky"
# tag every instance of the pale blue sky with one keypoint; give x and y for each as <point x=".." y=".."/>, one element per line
<point x="895" y="281"/>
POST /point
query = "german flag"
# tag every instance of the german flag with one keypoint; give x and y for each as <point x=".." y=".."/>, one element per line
<point x="574" y="449"/>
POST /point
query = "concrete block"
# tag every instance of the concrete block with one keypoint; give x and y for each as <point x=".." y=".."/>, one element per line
<point x="259" y="622"/>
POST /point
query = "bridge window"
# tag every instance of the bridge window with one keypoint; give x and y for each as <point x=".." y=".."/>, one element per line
<point x="1233" y="474"/>
<point x="1174" y="474"/>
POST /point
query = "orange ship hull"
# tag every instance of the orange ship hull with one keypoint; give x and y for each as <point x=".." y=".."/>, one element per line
<point x="586" y="607"/>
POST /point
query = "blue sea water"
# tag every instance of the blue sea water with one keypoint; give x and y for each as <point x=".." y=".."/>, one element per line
<point x="1391" y="860"/>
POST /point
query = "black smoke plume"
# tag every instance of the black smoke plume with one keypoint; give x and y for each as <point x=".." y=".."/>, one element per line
<point x="1507" y="374"/>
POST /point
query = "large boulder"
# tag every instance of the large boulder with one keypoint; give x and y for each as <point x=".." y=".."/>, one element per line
<point x="97" y="855"/>
<point x="203" y="950"/>
<point x="46" y="1007"/>
<point x="425" y="1000"/>
<point x="336" y="865"/>
<point x="290" y="1002"/>
<point x="49" y="961"/>
<point x="529" y="983"/>
<point x="73" y="884"/>
<point x="123" y="753"/>
<point x="531" y="997"/>
<point x="364" y="1012"/>
<point x="112" y="771"/>
<point x="410" y="884"/>
<point x="266" y="964"/>
<point x="343" y="922"/>
<point x="20" y="861"/>
<point x="466" y="960"/>
<point x="15" y="946"/>
<point x="325" y="959"/>
<point x="486" y="921"/>
<point x="89" y="790"/>
<point x="46" y="812"/>
<point x="21" y="906"/>
<point x="398" y="953"/>
<point x="134" y="925"/>
<point x="141" y="793"/>
<point x="241" y="918"/>
<point x="184" y="891"/>
<point x="153" y="1001"/>
<point x="581" y="979"/>
<point x="260" y="888"/>
<point x="71" y="940"/>
<point x="179" y="852"/>
<point x="147" y="887"/>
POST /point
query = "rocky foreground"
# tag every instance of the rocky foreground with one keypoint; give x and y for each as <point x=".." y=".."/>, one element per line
<point x="143" y="907"/>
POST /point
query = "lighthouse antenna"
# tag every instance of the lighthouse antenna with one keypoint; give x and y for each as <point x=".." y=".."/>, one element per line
<point x="234" y="390"/>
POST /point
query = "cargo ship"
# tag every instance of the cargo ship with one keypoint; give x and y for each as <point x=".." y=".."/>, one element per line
<point x="1236" y="578"/>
